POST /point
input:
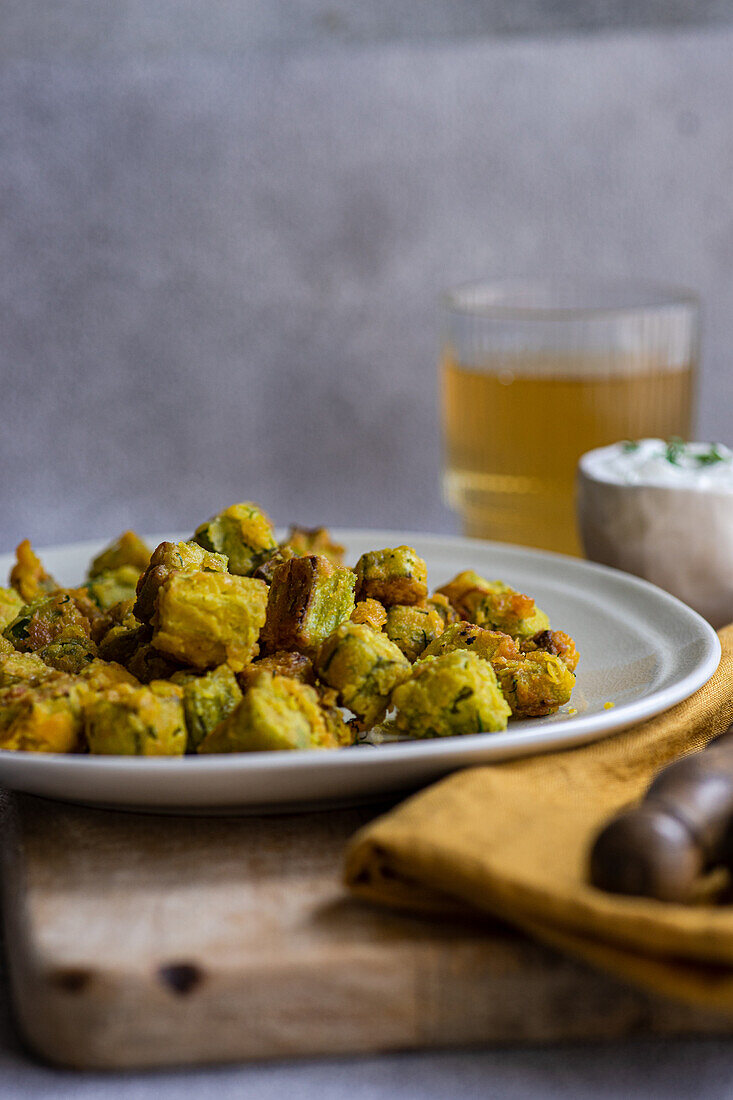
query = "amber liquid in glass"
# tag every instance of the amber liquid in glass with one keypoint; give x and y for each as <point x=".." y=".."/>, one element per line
<point x="515" y="428"/>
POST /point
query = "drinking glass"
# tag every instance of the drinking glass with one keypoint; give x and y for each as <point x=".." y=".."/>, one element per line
<point x="536" y="371"/>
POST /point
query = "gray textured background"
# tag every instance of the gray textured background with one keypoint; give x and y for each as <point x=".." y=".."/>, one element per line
<point x="223" y="229"/>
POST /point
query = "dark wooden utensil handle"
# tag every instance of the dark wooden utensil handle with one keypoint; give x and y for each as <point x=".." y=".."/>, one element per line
<point x="682" y="827"/>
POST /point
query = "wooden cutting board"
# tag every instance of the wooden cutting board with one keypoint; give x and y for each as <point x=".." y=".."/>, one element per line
<point x="136" y="940"/>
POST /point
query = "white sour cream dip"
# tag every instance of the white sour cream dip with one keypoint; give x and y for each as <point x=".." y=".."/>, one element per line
<point x="663" y="511"/>
<point x="704" y="466"/>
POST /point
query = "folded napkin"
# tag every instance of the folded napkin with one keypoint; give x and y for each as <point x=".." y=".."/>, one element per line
<point x="513" y="841"/>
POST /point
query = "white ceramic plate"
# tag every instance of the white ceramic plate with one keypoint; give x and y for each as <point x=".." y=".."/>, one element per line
<point x="641" y="650"/>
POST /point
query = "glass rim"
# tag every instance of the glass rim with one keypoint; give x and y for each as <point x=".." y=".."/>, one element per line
<point x="652" y="297"/>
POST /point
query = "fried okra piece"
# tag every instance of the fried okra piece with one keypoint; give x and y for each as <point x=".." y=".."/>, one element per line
<point x="442" y="605"/>
<point x="100" y="675"/>
<point x="505" y="609"/>
<point x="283" y="663"/>
<point x="392" y="576"/>
<point x="28" y="576"/>
<point x="535" y="685"/>
<point x="22" y="668"/>
<point x="487" y="644"/>
<point x="412" y="627"/>
<point x="456" y="693"/>
<point x="207" y="701"/>
<point x="266" y="571"/>
<point x="364" y="667"/>
<point x="45" y="716"/>
<point x="118" y="633"/>
<point x="115" y="586"/>
<point x="147" y="663"/>
<point x="51" y="619"/>
<point x="128" y="551"/>
<point x="208" y="619"/>
<point x="556" y="642"/>
<point x="276" y="713"/>
<point x="136" y="721"/>
<point x="10" y="606"/>
<point x="169" y="558"/>
<point x="70" y="656"/>
<point x="243" y="533"/>
<point x="494" y="604"/>
<point x="464" y="592"/>
<point x="308" y="599"/>
<point x="304" y="541"/>
<point x="370" y="613"/>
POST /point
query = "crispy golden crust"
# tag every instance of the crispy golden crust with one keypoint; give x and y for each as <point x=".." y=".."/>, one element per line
<point x="51" y="619"/>
<point x="556" y="642"/>
<point x="370" y="613"/>
<point x="442" y="605"/>
<point x="28" y="576"/>
<point x="487" y="644"/>
<point x="266" y="571"/>
<point x="10" y="606"/>
<point x="536" y="685"/>
<point x="302" y="541"/>
<point x="242" y="533"/>
<point x="453" y="694"/>
<point x="45" y="716"/>
<point x="124" y="720"/>
<point x="207" y="619"/>
<point x="393" y="576"/>
<point x="169" y="558"/>
<point x="364" y="667"/>
<point x="412" y="627"/>
<point x="510" y="611"/>
<point x="128" y="550"/>
<point x="308" y="599"/>
<point x="276" y="713"/>
<point x="283" y="663"/>
<point x="464" y="592"/>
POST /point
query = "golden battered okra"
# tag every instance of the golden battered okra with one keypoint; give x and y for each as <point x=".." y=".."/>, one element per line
<point x="456" y="693"/>
<point x="169" y="558"/>
<point x="304" y="541"/>
<point x="276" y="713"/>
<point x="371" y="613"/>
<point x="10" y="606"/>
<point x="364" y="667"/>
<point x="136" y="721"/>
<point x="128" y="551"/>
<point x="487" y="644"/>
<point x="392" y="576"/>
<point x="308" y="599"/>
<point x="535" y="685"/>
<point x="412" y="627"/>
<point x="495" y="605"/>
<point x="204" y="619"/>
<point x="231" y="642"/>
<point x="242" y="533"/>
<point x="113" y="586"/>
<point x="45" y="716"/>
<point x="55" y="629"/>
<point x="207" y="701"/>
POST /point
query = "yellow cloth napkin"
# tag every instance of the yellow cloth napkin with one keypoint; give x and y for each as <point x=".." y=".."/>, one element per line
<point x="513" y="840"/>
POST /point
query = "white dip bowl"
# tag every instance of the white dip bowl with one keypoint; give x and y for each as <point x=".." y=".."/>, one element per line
<point x="664" y="512"/>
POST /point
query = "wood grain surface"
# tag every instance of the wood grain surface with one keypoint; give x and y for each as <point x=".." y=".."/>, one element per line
<point x="137" y="940"/>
